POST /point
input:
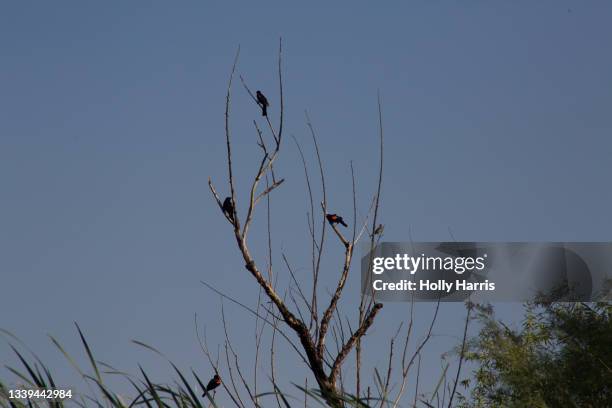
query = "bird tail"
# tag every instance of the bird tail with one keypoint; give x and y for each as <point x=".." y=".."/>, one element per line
<point x="343" y="223"/>
<point x="264" y="110"/>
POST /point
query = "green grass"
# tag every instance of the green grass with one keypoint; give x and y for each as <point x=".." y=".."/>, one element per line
<point x="33" y="374"/>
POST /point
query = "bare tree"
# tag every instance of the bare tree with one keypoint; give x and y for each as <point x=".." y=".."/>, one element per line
<point x="317" y="331"/>
<point x="295" y="309"/>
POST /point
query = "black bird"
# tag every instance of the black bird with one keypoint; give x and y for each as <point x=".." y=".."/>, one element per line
<point x="212" y="384"/>
<point x="335" y="219"/>
<point x="228" y="208"/>
<point x="379" y="230"/>
<point x="263" y="102"/>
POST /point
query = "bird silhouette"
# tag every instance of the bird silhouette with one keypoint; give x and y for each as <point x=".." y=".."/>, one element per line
<point x="263" y="102"/>
<point x="212" y="384"/>
<point x="335" y="219"/>
<point x="228" y="208"/>
<point x="379" y="230"/>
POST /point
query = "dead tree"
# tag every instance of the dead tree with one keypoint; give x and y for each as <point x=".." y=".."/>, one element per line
<point x="312" y="329"/>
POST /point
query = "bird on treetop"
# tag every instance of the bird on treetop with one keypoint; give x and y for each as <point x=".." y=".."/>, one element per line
<point x="212" y="384"/>
<point x="263" y="102"/>
<point x="335" y="219"/>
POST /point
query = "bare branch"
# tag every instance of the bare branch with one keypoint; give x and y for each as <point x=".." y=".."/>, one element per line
<point x="353" y="339"/>
<point x="272" y="366"/>
<point x="364" y="227"/>
<point x="406" y="365"/>
<point x="418" y="376"/>
<point x="268" y="190"/>
<point x="462" y="354"/>
<point x="253" y="312"/>
<point x="228" y="344"/>
<point x="311" y="227"/>
<point x="327" y="315"/>
<point x="362" y="306"/>
<point x="299" y="288"/>
<point x="236" y="221"/>
<point x="385" y="389"/>
<point x="324" y="222"/>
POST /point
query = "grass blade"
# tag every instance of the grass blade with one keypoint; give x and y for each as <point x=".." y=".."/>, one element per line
<point x="89" y="354"/>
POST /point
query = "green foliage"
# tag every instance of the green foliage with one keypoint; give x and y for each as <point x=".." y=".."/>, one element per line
<point x="560" y="357"/>
<point x="147" y="393"/>
<point x="34" y="374"/>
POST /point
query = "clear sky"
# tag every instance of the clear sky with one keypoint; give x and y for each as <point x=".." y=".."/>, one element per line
<point x="497" y="120"/>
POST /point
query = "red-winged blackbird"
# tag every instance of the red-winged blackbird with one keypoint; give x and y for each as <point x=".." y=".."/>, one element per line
<point x="212" y="384"/>
<point x="263" y="102"/>
<point x="228" y="208"/>
<point x="335" y="219"/>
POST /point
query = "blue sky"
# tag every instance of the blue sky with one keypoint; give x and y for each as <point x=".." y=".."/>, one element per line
<point x="497" y="127"/>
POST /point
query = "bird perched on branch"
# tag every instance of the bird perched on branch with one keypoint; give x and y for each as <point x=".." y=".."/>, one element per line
<point x="379" y="230"/>
<point x="212" y="384"/>
<point x="228" y="208"/>
<point x="335" y="219"/>
<point x="263" y="102"/>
